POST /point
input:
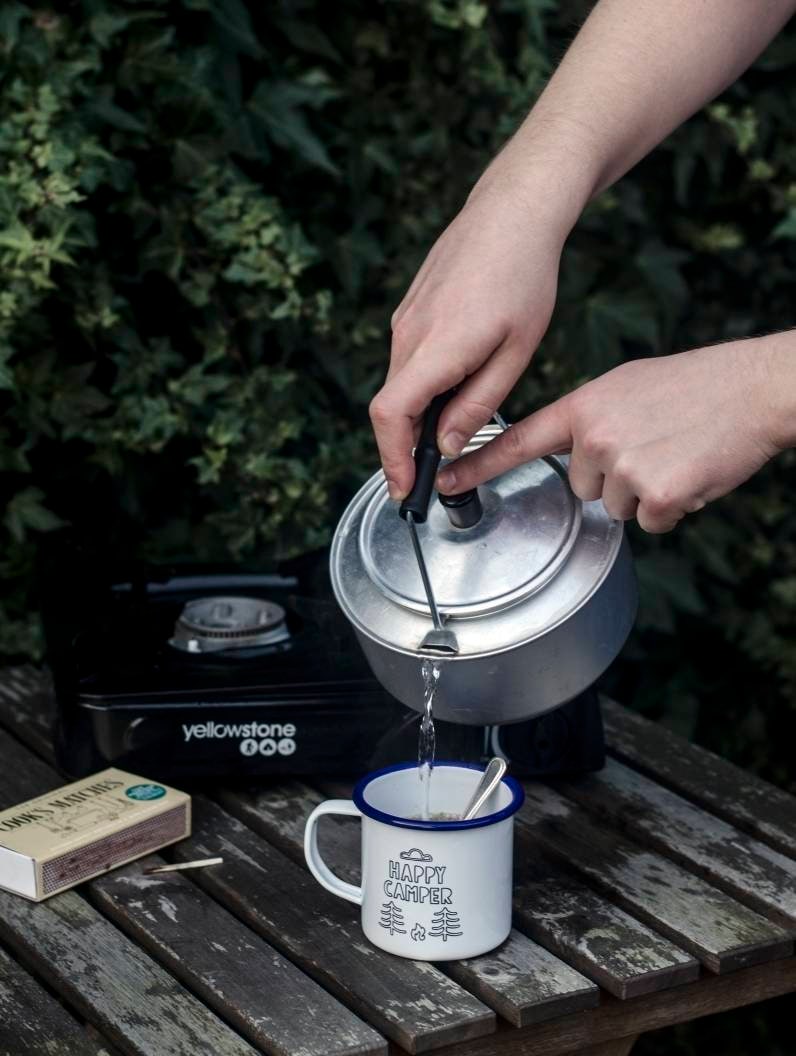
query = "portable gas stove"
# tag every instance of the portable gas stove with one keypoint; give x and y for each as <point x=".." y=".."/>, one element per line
<point x="195" y="672"/>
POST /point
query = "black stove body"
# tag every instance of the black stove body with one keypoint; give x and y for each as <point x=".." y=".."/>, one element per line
<point x="195" y="673"/>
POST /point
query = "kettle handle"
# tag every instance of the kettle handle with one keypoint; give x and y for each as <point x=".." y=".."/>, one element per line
<point x="427" y="459"/>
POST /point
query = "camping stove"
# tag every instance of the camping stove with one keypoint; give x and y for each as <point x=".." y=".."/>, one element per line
<point x="217" y="673"/>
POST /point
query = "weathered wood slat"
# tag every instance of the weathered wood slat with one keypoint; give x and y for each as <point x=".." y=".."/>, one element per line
<point x="111" y="981"/>
<point x="557" y="910"/>
<point x="278" y="812"/>
<point x="525" y="983"/>
<point x="741" y="798"/>
<point x="233" y="970"/>
<point x="744" y="867"/>
<point x="535" y="986"/>
<point x="615" y="1020"/>
<point x="588" y="931"/>
<point x="409" y="1001"/>
<point x="33" y="1023"/>
<point x="721" y="932"/>
<point x="27" y="707"/>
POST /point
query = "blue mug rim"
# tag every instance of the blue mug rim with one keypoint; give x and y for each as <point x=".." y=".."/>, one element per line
<point x="516" y="789"/>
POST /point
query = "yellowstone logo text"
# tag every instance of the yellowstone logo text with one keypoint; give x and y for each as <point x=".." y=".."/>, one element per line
<point x="263" y="738"/>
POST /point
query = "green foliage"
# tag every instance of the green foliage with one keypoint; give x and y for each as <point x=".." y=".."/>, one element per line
<point x="209" y="209"/>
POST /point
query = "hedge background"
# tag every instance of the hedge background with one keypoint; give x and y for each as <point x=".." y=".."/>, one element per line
<point x="208" y="211"/>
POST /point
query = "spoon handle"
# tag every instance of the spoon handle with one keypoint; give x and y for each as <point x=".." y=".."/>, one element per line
<point x="486" y="786"/>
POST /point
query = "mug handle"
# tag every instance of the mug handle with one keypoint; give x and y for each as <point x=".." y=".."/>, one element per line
<point x="317" y="866"/>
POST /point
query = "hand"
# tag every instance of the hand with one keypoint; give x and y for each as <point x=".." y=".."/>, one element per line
<point x="472" y="317"/>
<point x="656" y="438"/>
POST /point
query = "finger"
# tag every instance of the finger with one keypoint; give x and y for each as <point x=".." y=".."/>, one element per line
<point x="540" y="434"/>
<point x="619" y="499"/>
<point x="479" y="397"/>
<point x="397" y="409"/>
<point x="656" y="522"/>
<point x="585" y="477"/>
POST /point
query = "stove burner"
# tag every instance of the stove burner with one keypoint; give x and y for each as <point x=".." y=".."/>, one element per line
<point x="215" y="624"/>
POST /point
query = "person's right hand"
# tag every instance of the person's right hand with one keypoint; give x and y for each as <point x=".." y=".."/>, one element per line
<point x="472" y="317"/>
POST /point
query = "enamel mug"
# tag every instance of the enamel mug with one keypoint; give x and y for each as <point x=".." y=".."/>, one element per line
<point x="432" y="890"/>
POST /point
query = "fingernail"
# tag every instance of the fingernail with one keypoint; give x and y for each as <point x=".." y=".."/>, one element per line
<point x="447" y="480"/>
<point x="395" y="492"/>
<point x="452" y="444"/>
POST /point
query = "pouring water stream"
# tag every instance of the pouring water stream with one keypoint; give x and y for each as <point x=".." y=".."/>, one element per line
<point x="426" y="744"/>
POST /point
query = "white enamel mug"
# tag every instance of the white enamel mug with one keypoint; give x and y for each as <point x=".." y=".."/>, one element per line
<point x="431" y="890"/>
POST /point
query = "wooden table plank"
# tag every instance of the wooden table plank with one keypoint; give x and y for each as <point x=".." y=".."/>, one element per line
<point x="27" y="707"/>
<point x="724" y="934"/>
<point x="615" y="1019"/>
<point x="588" y="931"/>
<point x="525" y="983"/>
<point x="233" y="970"/>
<point x="559" y="911"/>
<point x="742" y="866"/>
<point x="409" y="1001"/>
<point x="111" y="981"/>
<point x="539" y="985"/>
<point x="728" y="791"/>
<point x="32" y="1022"/>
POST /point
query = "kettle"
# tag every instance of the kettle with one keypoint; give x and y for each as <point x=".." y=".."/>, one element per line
<point x="535" y="587"/>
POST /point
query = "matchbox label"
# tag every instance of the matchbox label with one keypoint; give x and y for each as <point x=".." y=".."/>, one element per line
<point x="254" y="738"/>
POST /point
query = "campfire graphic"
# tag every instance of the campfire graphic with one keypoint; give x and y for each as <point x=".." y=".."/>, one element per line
<point x="418" y="932"/>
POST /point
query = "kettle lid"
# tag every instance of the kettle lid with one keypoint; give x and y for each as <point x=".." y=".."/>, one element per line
<point x="530" y="523"/>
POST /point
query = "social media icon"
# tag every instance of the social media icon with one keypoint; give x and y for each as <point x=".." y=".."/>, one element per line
<point x="248" y="747"/>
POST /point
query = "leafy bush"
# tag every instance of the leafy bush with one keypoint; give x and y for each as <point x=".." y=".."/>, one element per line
<point x="208" y="211"/>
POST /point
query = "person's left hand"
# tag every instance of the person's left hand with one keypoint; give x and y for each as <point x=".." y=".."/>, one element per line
<point x="655" y="438"/>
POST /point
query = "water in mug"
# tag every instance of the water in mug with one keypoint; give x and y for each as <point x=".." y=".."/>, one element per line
<point x="431" y="671"/>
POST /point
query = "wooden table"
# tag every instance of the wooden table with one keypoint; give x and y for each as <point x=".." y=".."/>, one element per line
<point x="659" y="890"/>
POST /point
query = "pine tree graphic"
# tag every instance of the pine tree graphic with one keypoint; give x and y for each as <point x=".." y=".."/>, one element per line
<point x="445" y="923"/>
<point x="392" y="918"/>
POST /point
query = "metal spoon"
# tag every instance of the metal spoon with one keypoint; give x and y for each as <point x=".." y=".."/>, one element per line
<point x="493" y="775"/>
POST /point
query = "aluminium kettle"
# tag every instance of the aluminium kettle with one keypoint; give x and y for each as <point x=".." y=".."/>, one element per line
<point x="536" y="586"/>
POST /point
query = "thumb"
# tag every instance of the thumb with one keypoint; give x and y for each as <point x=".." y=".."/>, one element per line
<point x="546" y="432"/>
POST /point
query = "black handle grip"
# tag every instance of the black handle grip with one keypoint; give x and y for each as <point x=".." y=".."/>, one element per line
<point x="427" y="457"/>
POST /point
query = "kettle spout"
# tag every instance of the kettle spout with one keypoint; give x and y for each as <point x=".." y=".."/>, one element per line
<point x="440" y="642"/>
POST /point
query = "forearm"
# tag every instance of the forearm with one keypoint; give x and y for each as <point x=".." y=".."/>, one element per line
<point x="636" y="70"/>
<point x="775" y="357"/>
